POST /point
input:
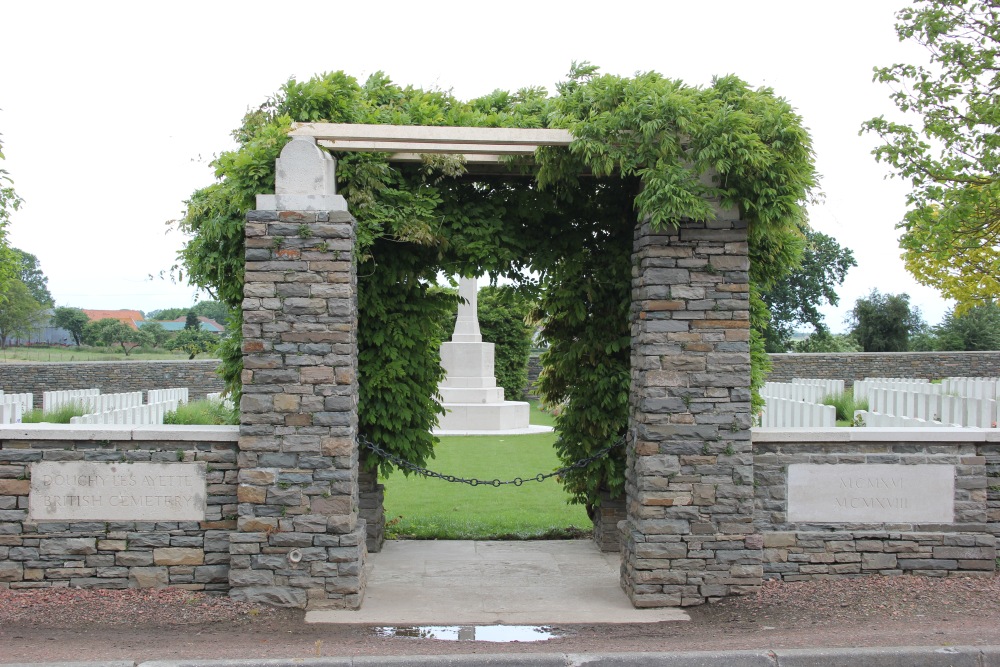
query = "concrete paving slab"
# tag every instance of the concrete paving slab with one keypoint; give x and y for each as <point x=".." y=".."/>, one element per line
<point x="543" y="582"/>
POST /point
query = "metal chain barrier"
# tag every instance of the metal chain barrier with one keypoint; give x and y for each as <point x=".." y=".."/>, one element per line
<point x="517" y="481"/>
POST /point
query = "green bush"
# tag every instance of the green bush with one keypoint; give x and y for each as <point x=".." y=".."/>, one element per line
<point x="59" y="416"/>
<point x="845" y="405"/>
<point x="204" y="413"/>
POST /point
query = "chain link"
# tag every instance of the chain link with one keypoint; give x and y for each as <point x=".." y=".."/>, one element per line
<point x="472" y="481"/>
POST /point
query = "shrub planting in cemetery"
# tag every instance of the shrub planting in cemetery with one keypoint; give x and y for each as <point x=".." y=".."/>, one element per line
<point x="207" y="413"/>
<point x="60" y="415"/>
<point x="645" y="141"/>
<point x="845" y="405"/>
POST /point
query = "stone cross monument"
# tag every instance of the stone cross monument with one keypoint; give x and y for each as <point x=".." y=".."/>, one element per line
<point x="469" y="392"/>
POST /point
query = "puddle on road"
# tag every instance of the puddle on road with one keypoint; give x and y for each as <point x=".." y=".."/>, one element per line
<point x="471" y="633"/>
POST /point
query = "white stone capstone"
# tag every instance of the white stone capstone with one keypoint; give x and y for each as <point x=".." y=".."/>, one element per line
<point x="305" y="180"/>
<point x="304" y="169"/>
<point x="871" y="493"/>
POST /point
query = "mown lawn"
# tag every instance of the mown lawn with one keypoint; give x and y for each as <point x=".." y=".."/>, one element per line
<point x="423" y="508"/>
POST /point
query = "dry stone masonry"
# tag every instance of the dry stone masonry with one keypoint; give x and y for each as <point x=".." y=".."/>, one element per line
<point x="198" y="376"/>
<point x="301" y="542"/>
<point x="851" y="366"/>
<point x="111" y="492"/>
<point x="907" y="501"/>
<point x="276" y="511"/>
<point x="689" y="535"/>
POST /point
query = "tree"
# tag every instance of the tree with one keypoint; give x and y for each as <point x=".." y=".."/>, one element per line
<point x="30" y="273"/>
<point x="20" y="314"/>
<point x="192" y="321"/>
<point x="168" y="314"/>
<point x="978" y="328"/>
<point x="193" y="341"/>
<point x="503" y="314"/>
<point x="796" y="299"/>
<point x="884" y="322"/>
<point x="108" y="332"/>
<point x="951" y="232"/>
<point x="824" y="341"/>
<point x="9" y="202"/>
<point x="213" y="310"/>
<point x="72" y="320"/>
<point x="158" y="334"/>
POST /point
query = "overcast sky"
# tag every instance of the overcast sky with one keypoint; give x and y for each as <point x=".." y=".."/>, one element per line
<point x="110" y="112"/>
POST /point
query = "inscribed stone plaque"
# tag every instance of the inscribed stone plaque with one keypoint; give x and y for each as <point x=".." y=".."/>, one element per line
<point x="871" y="493"/>
<point x="97" y="491"/>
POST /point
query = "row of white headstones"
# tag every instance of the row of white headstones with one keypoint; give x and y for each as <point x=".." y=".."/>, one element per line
<point x="119" y="408"/>
<point x="892" y="402"/>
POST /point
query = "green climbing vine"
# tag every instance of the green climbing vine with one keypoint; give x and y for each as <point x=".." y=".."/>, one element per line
<point x="643" y="143"/>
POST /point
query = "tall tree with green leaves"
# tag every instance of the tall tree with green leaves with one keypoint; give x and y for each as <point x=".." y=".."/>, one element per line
<point x="30" y="273"/>
<point x="978" y="328"/>
<point x="193" y="342"/>
<point x="795" y="301"/>
<point x="109" y="332"/>
<point x="948" y="146"/>
<point x="884" y="322"/>
<point x="9" y="202"/>
<point x="72" y="320"/>
<point x="159" y="335"/>
<point x="20" y="313"/>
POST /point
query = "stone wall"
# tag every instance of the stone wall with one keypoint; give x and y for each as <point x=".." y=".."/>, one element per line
<point x="795" y="551"/>
<point x="534" y="370"/>
<point x="124" y="553"/>
<point x="606" y="518"/>
<point x="689" y="536"/>
<point x="851" y="366"/>
<point x="111" y="377"/>
<point x="301" y="540"/>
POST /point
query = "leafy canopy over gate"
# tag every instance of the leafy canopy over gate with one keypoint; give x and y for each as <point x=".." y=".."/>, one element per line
<point x="568" y="217"/>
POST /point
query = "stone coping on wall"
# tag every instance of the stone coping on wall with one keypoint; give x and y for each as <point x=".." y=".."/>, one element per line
<point x="119" y="432"/>
<point x="231" y="433"/>
<point x="874" y="434"/>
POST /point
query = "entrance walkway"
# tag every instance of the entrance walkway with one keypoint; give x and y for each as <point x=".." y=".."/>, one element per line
<point x="470" y="582"/>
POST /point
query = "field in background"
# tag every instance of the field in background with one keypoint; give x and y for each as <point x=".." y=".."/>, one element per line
<point x="422" y="508"/>
<point x="89" y="354"/>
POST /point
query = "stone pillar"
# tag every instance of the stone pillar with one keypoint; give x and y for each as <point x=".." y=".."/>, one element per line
<point x="300" y="542"/>
<point x="689" y="534"/>
<point x="606" y="518"/>
<point x="371" y="500"/>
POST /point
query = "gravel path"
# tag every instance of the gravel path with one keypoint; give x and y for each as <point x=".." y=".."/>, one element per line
<point x="72" y="624"/>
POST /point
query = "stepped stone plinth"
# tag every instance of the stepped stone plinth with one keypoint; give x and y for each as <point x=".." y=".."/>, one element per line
<point x="469" y="392"/>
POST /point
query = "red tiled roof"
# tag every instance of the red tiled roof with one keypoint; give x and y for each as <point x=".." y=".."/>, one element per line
<point x="128" y="317"/>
